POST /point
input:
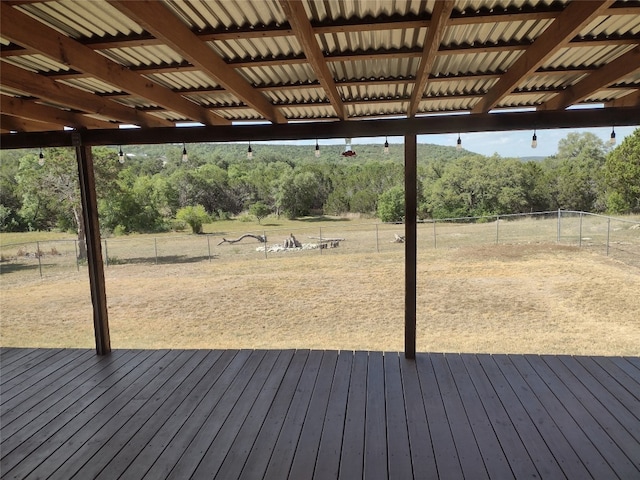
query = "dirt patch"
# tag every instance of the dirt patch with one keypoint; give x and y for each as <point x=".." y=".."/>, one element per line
<point x="493" y="299"/>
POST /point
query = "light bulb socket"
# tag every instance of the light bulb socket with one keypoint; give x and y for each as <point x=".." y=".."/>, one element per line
<point x="185" y="157"/>
<point x="121" y="156"/>
<point x="41" y="158"/>
<point x="317" y="150"/>
<point x="386" y="146"/>
<point x="612" y="138"/>
<point x="459" y="143"/>
<point x="249" y="152"/>
<point x="534" y="141"/>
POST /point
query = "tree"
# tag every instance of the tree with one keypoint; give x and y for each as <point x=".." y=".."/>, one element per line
<point x="194" y="216"/>
<point x="576" y="174"/>
<point x="259" y="210"/>
<point x="391" y="205"/>
<point x="622" y="176"/>
<point x="296" y="193"/>
<point x="51" y="193"/>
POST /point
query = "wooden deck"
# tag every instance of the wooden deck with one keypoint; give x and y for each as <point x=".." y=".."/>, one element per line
<point x="279" y="414"/>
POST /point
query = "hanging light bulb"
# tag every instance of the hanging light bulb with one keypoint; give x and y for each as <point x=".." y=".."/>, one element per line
<point x="185" y="157"/>
<point x="534" y="140"/>
<point x="41" y="158"/>
<point x="121" y="155"/>
<point x="612" y="138"/>
<point x="386" y="146"/>
<point x="459" y="143"/>
<point x="249" y="151"/>
<point x="317" y="151"/>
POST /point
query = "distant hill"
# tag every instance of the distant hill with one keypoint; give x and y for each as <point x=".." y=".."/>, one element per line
<point x="237" y="152"/>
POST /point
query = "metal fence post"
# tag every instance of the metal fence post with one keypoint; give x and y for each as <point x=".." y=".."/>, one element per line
<point x="580" y="238"/>
<point x="608" y="232"/>
<point x="75" y="247"/>
<point x="209" y="248"/>
<point x="38" y="255"/>
<point x="264" y="235"/>
<point x="435" y="245"/>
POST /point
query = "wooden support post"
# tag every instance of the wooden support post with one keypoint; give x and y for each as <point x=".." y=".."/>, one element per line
<point x="94" y="249"/>
<point x="411" y="243"/>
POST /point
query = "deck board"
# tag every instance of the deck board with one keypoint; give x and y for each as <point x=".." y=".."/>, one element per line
<point x="69" y="414"/>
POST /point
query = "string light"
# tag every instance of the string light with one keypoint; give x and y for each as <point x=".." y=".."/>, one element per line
<point x="459" y="143"/>
<point x="41" y="158"/>
<point x="612" y="138"/>
<point x="317" y="151"/>
<point x="249" y="152"/>
<point x="185" y="157"/>
<point x="121" y="155"/>
<point x="386" y="146"/>
<point x="534" y="140"/>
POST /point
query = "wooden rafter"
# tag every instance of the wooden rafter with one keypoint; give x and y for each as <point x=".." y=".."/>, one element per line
<point x="630" y="100"/>
<point x="441" y="12"/>
<point x="24" y="30"/>
<point x="163" y="24"/>
<point x="566" y="25"/>
<point x="20" y="124"/>
<point x="599" y="79"/>
<point x="59" y="93"/>
<point x="378" y="54"/>
<point x="34" y="111"/>
<point x="367" y="24"/>
<point x="295" y="12"/>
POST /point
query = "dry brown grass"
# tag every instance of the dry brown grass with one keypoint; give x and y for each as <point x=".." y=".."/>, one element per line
<point x="494" y="299"/>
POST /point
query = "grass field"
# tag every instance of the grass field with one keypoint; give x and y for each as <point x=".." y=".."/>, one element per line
<point x="530" y="297"/>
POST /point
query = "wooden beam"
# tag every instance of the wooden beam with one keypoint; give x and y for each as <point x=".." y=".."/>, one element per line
<point x="566" y="25"/>
<point x="630" y="100"/>
<point x="59" y="93"/>
<point x="156" y="18"/>
<point x="94" y="247"/>
<point x="26" y="31"/>
<point x="35" y="111"/>
<point x="599" y="79"/>
<point x="18" y="124"/>
<point x="411" y="243"/>
<point x="297" y="16"/>
<point x="493" y="122"/>
<point x="441" y="12"/>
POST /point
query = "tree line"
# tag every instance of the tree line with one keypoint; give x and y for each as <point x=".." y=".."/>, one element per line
<point x="154" y="190"/>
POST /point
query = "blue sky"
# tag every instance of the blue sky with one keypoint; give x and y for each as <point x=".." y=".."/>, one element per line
<point x="506" y="144"/>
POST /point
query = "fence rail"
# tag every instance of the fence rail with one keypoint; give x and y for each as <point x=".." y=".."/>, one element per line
<point x="616" y="237"/>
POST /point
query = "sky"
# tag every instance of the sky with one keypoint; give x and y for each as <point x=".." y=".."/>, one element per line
<point x="514" y="144"/>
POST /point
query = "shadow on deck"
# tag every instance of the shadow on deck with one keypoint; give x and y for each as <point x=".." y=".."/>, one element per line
<point x="316" y="414"/>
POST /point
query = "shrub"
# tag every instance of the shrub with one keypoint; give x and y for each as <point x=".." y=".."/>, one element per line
<point x="120" y="230"/>
<point x="259" y="210"/>
<point x="194" y="216"/>
<point x="391" y="205"/>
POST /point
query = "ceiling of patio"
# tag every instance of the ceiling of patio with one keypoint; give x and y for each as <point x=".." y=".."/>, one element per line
<point x="101" y="64"/>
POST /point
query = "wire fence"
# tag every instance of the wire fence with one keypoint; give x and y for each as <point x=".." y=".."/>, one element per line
<point x="615" y="237"/>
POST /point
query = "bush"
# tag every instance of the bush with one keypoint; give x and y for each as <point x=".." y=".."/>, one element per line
<point x="194" y="216"/>
<point x="259" y="210"/>
<point x="391" y="205"/>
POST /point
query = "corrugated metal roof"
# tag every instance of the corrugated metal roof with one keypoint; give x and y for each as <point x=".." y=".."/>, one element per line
<point x="242" y="31"/>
